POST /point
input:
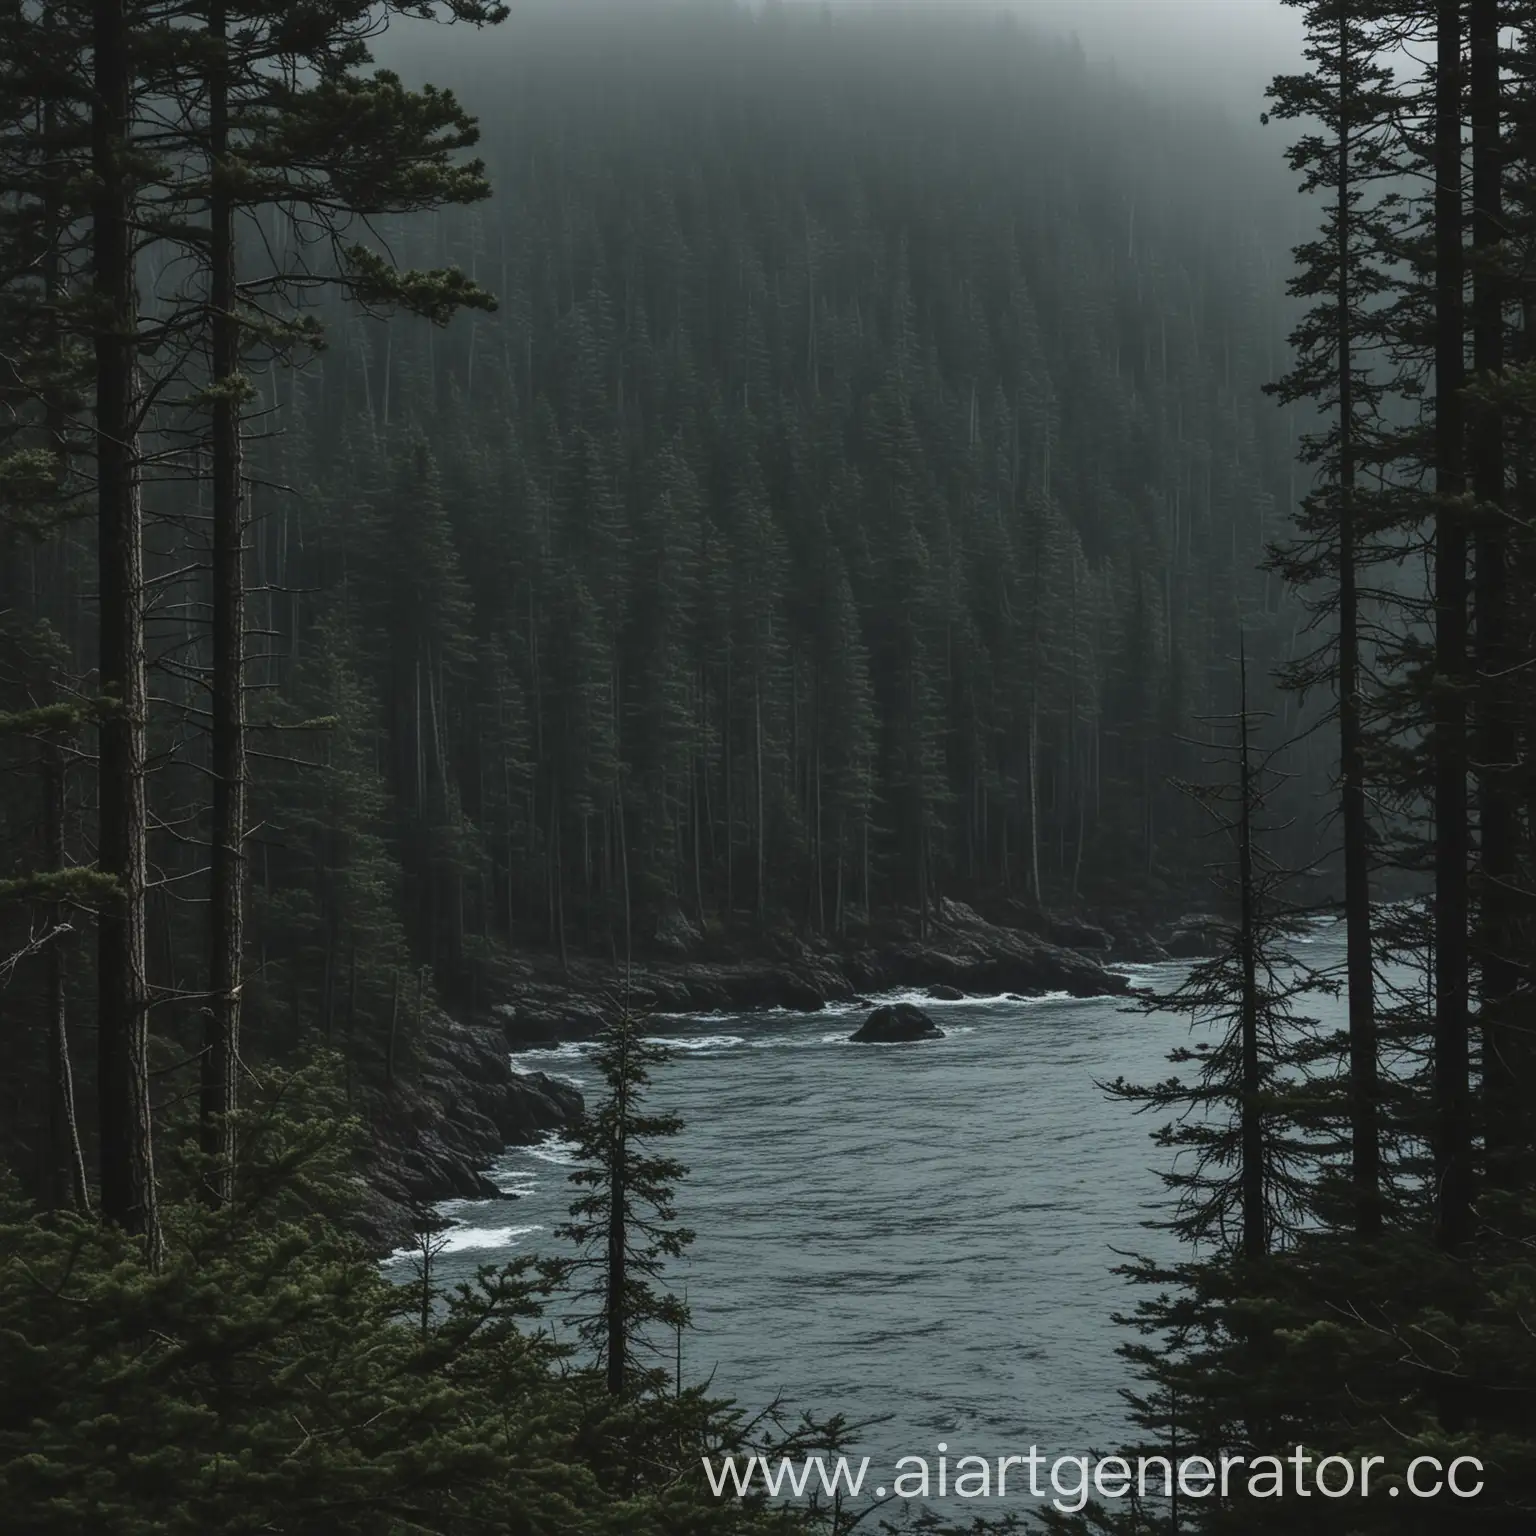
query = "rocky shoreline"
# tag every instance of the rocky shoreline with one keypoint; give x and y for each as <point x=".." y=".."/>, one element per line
<point x="958" y="949"/>
<point x="433" y="1139"/>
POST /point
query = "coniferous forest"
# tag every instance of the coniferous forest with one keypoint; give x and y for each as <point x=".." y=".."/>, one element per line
<point x="723" y="487"/>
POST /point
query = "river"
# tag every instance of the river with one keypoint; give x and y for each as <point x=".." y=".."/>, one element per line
<point x="922" y="1231"/>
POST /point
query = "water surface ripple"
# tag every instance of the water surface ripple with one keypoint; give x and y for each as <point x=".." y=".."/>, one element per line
<point x="924" y="1231"/>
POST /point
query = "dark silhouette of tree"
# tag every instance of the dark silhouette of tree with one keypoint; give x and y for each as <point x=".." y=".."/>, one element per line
<point x="625" y="1224"/>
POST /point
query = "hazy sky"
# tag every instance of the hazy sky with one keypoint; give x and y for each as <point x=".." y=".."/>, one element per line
<point x="1224" y="48"/>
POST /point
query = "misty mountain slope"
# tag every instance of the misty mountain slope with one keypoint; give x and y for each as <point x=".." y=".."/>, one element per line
<point x="860" y="479"/>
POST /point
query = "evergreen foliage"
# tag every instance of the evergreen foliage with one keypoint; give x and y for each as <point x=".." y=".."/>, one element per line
<point x="268" y="1376"/>
<point x="1246" y="1157"/>
<point x="1388" y="1322"/>
<point x="845" y="501"/>
<point x="625" y="1223"/>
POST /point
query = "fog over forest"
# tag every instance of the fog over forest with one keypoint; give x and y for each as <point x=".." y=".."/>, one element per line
<point x="1220" y="51"/>
<point x="891" y="596"/>
<point x="1223" y="50"/>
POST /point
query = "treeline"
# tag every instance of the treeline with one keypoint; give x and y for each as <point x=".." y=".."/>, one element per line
<point x="1359" y="1204"/>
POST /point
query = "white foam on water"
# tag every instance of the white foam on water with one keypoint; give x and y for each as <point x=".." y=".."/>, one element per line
<point x="515" y="1182"/>
<point x="567" y="1050"/>
<point x="466" y="1240"/>
<point x="736" y="1015"/>
<point x="697" y="1042"/>
<point x="917" y="998"/>
<point x="921" y="999"/>
<point x="553" y="1149"/>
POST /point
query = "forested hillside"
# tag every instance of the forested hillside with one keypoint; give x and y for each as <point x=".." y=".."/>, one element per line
<point x="861" y="480"/>
<point x="809" y="488"/>
<point x="854" y="493"/>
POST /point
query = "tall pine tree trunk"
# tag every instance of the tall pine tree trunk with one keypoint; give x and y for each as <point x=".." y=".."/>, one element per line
<point x="1255" y="1222"/>
<point x="221" y="1042"/>
<point x="695" y="770"/>
<point x="869" y="905"/>
<point x="67" y="1164"/>
<point x="128" y="1195"/>
<point x="837" y="898"/>
<point x="1365" y="1148"/>
<point x="820" y="856"/>
<point x="1453" y="1171"/>
<point x="68" y="1161"/>
<point x="629" y="921"/>
<point x="707" y="805"/>
<point x="762" y="846"/>
<point x="557" y="875"/>
<point x="730" y="803"/>
<point x="1506" y="1074"/>
<point x="391" y="1038"/>
<point x="1034" y="801"/>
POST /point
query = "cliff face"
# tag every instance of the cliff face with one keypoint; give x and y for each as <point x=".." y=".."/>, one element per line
<point x="433" y="1138"/>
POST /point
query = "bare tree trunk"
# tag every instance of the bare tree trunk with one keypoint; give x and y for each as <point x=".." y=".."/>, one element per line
<point x="67" y="1171"/>
<point x="557" y="875"/>
<point x="1453" y="1137"/>
<point x="1082" y="832"/>
<point x="1255" y="1218"/>
<point x="226" y="906"/>
<point x="629" y="923"/>
<point x="67" y="1168"/>
<point x="707" y="806"/>
<point x="1149" y="825"/>
<point x="1365" y="1147"/>
<point x="837" y="899"/>
<point x="390" y="1039"/>
<point x="762" y="851"/>
<point x="1034" y="800"/>
<point x="1506" y="1056"/>
<point x="695" y="770"/>
<point x="128" y="1196"/>
<point x="730" y="803"/>
<point x="509" y="841"/>
<point x="868" y="902"/>
<point x="821" y="883"/>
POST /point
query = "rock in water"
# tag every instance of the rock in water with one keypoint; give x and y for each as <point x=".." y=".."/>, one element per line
<point x="942" y="992"/>
<point x="896" y="1022"/>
